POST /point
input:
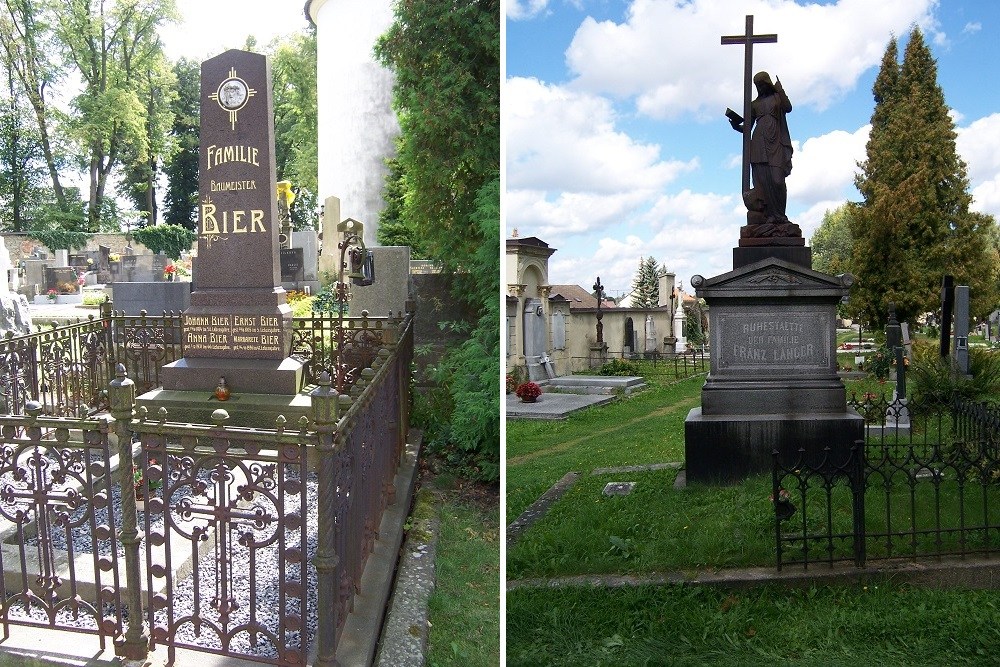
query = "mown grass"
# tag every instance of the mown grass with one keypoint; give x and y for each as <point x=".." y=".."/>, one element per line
<point x="465" y="605"/>
<point x="646" y="427"/>
<point x="878" y="624"/>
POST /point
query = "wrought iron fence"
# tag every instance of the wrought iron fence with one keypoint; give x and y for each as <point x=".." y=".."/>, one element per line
<point x="253" y="541"/>
<point x="67" y="368"/>
<point x="648" y="364"/>
<point x="59" y="560"/>
<point x="924" y="483"/>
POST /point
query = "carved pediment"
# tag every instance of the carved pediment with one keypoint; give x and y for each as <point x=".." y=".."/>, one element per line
<point x="772" y="277"/>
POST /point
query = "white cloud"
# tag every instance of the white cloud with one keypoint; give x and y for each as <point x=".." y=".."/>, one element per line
<point x="525" y="9"/>
<point x="569" y="169"/>
<point x="972" y="27"/>
<point x="668" y="55"/>
<point x="979" y="146"/>
<point x="824" y="167"/>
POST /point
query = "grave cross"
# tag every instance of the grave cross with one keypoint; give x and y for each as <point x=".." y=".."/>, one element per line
<point x="599" y="293"/>
<point x="748" y="39"/>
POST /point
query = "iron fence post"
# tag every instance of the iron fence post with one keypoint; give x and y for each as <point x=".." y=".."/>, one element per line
<point x="325" y="414"/>
<point x="135" y="644"/>
<point x="858" y="493"/>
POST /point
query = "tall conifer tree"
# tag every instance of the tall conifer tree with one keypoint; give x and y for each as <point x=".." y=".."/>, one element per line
<point x="914" y="224"/>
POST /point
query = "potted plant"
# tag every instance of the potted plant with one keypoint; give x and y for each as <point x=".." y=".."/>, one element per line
<point x="168" y="272"/>
<point x="528" y="392"/>
<point x="52" y="295"/>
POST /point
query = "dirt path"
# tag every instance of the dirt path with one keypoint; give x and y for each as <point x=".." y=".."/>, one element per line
<point x="563" y="446"/>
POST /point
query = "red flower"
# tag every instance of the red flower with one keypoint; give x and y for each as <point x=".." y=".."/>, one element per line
<point x="528" y="390"/>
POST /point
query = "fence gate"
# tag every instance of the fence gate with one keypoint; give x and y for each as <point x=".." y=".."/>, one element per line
<point x="59" y="524"/>
<point x="226" y="551"/>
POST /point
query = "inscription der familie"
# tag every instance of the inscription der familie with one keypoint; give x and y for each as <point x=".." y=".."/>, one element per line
<point x="773" y="341"/>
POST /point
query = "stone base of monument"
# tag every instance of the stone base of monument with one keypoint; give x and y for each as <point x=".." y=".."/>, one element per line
<point x="259" y="376"/>
<point x="725" y="449"/>
<point x="746" y="255"/>
<point x="773" y="380"/>
<point x="245" y="409"/>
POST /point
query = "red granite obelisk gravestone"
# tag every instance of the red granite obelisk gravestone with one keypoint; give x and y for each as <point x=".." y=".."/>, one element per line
<point x="239" y="325"/>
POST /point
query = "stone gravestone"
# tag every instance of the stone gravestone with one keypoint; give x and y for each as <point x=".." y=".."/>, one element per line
<point x="239" y="325"/>
<point x="292" y="265"/>
<point x="772" y="384"/>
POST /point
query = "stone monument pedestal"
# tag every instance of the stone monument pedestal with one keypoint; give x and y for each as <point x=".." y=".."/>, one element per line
<point x="773" y="381"/>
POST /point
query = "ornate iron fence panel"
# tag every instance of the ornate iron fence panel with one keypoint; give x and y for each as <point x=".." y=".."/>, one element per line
<point x="145" y="344"/>
<point x="226" y="516"/>
<point x="924" y="483"/>
<point x="18" y="373"/>
<point x="316" y="339"/>
<point x="60" y="526"/>
<point x="64" y="369"/>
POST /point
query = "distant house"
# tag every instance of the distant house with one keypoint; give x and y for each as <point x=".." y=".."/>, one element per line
<point x="553" y="328"/>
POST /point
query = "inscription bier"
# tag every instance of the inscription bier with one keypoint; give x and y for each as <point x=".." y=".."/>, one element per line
<point x="241" y="333"/>
<point x="756" y="340"/>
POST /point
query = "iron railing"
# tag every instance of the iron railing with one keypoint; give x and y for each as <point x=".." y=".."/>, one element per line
<point x="67" y="368"/>
<point x="60" y="551"/>
<point x="253" y="541"/>
<point x="925" y="483"/>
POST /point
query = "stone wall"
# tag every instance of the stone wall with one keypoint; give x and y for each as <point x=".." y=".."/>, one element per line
<point x="21" y="246"/>
<point x="432" y="293"/>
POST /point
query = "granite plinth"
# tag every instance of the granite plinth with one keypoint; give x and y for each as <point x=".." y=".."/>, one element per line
<point x="725" y="449"/>
<point x="774" y="396"/>
<point x="259" y="376"/>
<point x="794" y="254"/>
<point x="248" y="410"/>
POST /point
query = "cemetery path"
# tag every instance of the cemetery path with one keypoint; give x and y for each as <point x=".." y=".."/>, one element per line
<point x="563" y="446"/>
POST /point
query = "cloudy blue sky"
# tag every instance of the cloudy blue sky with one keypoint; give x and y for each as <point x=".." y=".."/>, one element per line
<point x="616" y="142"/>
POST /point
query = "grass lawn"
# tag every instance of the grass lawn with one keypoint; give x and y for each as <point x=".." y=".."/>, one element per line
<point x="465" y="604"/>
<point x="879" y="624"/>
<point x="659" y="528"/>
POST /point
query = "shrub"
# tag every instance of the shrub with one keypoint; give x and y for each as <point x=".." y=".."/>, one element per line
<point x="933" y="378"/>
<point x="170" y="239"/>
<point x="619" y="367"/>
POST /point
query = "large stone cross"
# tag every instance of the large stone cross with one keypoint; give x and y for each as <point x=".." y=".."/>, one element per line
<point x="748" y="39"/>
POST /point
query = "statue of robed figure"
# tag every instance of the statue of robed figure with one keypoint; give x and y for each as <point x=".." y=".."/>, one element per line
<point x="770" y="149"/>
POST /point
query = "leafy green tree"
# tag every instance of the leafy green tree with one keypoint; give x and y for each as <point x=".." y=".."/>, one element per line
<point x="446" y="58"/>
<point x="156" y="88"/>
<point x="22" y="165"/>
<point x="181" y="165"/>
<point x="296" y="145"/>
<point x="29" y="49"/>
<point x="646" y="285"/>
<point x="832" y="242"/>
<point x="914" y="224"/>
<point x="392" y="227"/>
<point x="111" y="46"/>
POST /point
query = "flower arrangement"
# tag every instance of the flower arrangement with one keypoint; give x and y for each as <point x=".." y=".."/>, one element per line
<point x="114" y="257"/>
<point x="81" y="281"/>
<point x="52" y="294"/>
<point x="90" y="261"/>
<point x="168" y="272"/>
<point x="511" y="384"/>
<point x="528" y="391"/>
